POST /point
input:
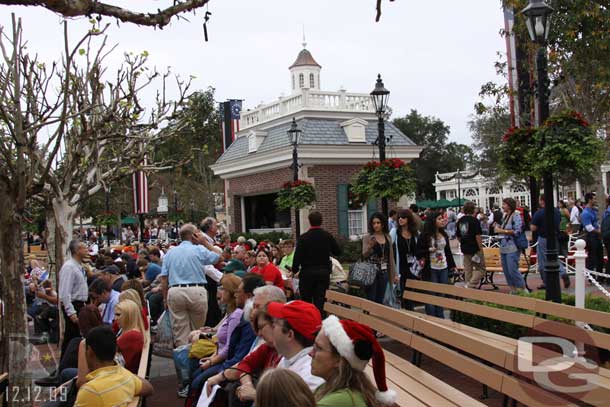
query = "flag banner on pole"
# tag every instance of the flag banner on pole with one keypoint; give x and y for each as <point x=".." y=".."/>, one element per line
<point x="230" y="112"/>
<point x="140" y="191"/>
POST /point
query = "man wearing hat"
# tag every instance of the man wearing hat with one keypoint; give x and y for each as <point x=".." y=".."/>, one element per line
<point x="295" y="326"/>
<point x="111" y="274"/>
<point x="341" y="352"/>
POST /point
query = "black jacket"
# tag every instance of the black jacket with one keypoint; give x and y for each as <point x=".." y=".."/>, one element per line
<point x="314" y="249"/>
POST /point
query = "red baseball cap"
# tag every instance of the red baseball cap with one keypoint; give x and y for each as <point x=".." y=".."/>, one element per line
<point x="302" y="316"/>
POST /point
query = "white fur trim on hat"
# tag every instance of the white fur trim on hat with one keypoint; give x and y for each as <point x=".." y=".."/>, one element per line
<point x="342" y="342"/>
<point x="387" y="397"/>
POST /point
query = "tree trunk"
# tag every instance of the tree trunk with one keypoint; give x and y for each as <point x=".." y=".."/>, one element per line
<point x="14" y="346"/>
<point x="63" y="226"/>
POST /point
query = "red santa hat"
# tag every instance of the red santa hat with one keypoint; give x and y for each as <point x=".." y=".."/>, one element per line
<point x="357" y="344"/>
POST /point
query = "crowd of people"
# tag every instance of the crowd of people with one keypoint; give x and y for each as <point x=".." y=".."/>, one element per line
<point x="246" y="321"/>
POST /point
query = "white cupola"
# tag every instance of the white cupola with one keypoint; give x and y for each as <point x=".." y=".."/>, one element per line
<point x="305" y="71"/>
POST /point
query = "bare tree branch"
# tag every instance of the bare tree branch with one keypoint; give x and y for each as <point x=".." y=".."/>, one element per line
<point x="80" y="8"/>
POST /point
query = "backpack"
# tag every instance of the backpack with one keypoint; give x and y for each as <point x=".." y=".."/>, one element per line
<point x="606" y="227"/>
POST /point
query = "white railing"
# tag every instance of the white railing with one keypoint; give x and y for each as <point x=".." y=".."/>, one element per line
<point x="307" y="99"/>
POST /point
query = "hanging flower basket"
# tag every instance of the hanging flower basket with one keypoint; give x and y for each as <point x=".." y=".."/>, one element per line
<point x="390" y="179"/>
<point x="516" y="149"/>
<point x="565" y="144"/>
<point x="568" y="145"/>
<point x="296" y="194"/>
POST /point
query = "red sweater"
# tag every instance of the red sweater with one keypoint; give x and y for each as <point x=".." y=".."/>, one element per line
<point x="270" y="273"/>
<point x="130" y="344"/>
<point x="264" y="357"/>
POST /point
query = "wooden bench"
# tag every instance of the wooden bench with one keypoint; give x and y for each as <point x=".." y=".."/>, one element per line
<point x="414" y="386"/>
<point x="502" y="353"/>
<point x="144" y="367"/>
<point x="493" y="264"/>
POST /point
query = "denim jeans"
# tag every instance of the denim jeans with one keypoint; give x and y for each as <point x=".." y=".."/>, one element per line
<point x="510" y="267"/>
<point x="376" y="291"/>
<point x="541" y="258"/>
<point x="442" y="277"/>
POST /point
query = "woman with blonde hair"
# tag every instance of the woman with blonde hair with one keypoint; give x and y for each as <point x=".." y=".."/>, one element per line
<point x="212" y="365"/>
<point x="132" y="294"/>
<point x="283" y="388"/>
<point x="130" y="340"/>
<point x="340" y="354"/>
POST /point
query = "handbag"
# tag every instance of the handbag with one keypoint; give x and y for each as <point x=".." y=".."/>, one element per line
<point x="362" y="274"/>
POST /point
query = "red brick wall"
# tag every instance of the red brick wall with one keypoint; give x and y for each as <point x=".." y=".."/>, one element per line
<point x="327" y="177"/>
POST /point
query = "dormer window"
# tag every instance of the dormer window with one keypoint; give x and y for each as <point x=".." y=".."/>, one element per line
<point x="355" y="130"/>
<point x="255" y="139"/>
<point x="312" y="81"/>
<point x="301" y="81"/>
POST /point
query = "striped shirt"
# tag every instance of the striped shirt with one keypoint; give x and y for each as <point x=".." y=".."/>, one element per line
<point x="109" y="386"/>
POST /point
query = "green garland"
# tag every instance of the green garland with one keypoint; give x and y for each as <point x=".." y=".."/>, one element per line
<point x="296" y="194"/>
<point x="390" y="179"/>
<point x="565" y="143"/>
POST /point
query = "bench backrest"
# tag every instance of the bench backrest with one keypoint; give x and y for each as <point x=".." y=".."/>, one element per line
<point x="439" y="341"/>
<point x="527" y="311"/>
<point x="144" y="366"/>
<point x="492" y="258"/>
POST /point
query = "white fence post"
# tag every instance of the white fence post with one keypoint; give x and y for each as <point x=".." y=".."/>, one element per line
<point x="580" y="257"/>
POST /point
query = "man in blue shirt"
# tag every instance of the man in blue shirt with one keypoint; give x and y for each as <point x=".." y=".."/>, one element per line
<point x="537" y="225"/>
<point x="590" y="225"/>
<point x="101" y="292"/>
<point x="183" y="279"/>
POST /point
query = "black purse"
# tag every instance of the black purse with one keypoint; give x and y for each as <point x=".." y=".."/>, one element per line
<point x="362" y="273"/>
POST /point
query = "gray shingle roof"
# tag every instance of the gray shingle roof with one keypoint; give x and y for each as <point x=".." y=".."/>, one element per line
<point x="316" y="132"/>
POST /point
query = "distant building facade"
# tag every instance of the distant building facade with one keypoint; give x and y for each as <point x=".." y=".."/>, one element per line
<point x="339" y="129"/>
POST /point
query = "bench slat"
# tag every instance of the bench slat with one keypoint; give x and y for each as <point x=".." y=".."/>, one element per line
<point x="597" y="339"/>
<point x="342" y="312"/>
<point x="470" y="308"/>
<point x="430" y="381"/>
<point x="386" y="328"/>
<point x="403" y="398"/>
<point x="531" y="395"/>
<point x="577" y="314"/>
<point x="343" y="298"/>
<point x="472" y="345"/>
<point x="422" y="393"/>
<point x="479" y="295"/>
<point x="463" y="364"/>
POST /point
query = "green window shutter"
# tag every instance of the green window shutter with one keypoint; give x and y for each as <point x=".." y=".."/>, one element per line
<point x="342" y="210"/>
<point x="371" y="208"/>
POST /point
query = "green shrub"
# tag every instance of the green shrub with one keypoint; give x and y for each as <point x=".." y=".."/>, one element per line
<point x="350" y="250"/>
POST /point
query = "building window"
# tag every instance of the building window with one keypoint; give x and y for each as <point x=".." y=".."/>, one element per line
<point x="301" y="81"/>
<point x="312" y="82"/>
<point x="292" y="82"/>
<point x="356" y="215"/>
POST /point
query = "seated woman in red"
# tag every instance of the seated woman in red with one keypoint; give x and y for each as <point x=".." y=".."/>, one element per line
<point x="270" y="273"/>
<point x="130" y="341"/>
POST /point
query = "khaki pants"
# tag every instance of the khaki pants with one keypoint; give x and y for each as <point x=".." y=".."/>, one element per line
<point x="474" y="272"/>
<point x="188" y="307"/>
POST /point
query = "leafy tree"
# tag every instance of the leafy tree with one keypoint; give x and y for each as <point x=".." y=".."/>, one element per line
<point x="438" y="155"/>
<point x="197" y="127"/>
<point x="487" y="130"/>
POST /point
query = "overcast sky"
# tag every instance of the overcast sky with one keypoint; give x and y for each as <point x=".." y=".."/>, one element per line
<point x="433" y="55"/>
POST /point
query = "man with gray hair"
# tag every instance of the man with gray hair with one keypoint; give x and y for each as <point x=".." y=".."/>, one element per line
<point x="73" y="290"/>
<point x="183" y="280"/>
<point x="266" y="294"/>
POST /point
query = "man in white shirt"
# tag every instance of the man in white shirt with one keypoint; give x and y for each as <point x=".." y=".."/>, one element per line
<point x="295" y="325"/>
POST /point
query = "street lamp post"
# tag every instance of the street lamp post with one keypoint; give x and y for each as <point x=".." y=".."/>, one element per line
<point x="459" y="182"/>
<point x="380" y="96"/>
<point x="537" y="15"/>
<point x="294" y="135"/>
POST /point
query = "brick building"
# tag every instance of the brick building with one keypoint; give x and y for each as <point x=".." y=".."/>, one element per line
<point x="338" y="132"/>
